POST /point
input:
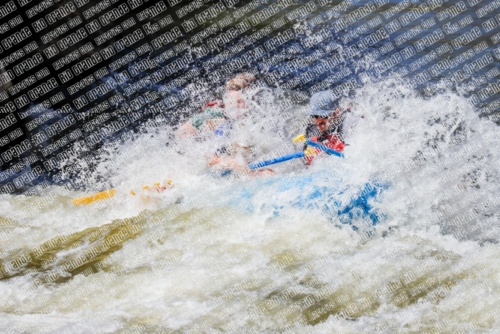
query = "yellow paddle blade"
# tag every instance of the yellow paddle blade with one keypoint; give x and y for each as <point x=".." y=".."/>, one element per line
<point x="311" y="151"/>
<point x="300" y="138"/>
<point x="158" y="187"/>
<point x="95" y="197"/>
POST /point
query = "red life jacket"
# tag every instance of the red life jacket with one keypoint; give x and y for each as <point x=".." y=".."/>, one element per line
<point x="331" y="141"/>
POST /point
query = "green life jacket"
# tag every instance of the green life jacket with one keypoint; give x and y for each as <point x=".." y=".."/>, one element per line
<point x="208" y="113"/>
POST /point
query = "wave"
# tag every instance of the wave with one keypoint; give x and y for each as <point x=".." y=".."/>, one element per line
<point x="274" y="252"/>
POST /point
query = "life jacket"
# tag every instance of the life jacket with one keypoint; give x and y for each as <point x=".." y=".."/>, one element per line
<point x="330" y="140"/>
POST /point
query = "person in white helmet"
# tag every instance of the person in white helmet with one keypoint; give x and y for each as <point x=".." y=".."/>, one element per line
<point x="327" y="124"/>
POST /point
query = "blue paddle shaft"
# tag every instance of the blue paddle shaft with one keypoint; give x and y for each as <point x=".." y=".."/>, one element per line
<point x="295" y="155"/>
<point x="324" y="148"/>
<point x="277" y="160"/>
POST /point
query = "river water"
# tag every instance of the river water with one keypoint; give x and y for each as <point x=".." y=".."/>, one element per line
<point x="281" y="253"/>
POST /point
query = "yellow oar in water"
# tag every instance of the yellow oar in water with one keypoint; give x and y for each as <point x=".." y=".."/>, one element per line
<point x="94" y="197"/>
<point x="85" y="200"/>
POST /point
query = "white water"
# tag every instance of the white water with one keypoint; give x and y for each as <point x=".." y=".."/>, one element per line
<point x="238" y="255"/>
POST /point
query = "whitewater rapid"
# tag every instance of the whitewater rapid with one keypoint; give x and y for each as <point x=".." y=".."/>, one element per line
<point x="246" y="254"/>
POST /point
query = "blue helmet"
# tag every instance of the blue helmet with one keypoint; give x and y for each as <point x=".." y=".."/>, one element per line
<point x="322" y="104"/>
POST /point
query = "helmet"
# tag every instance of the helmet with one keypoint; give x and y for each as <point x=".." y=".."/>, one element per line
<point x="236" y="84"/>
<point x="322" y="104"/>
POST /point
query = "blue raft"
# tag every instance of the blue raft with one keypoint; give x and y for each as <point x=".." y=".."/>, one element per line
<point x="319" y="192"/>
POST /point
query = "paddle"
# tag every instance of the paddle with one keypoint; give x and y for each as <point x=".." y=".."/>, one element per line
<point x="277" y="160"/>
<point x="85" y="200"/>
<point x="324" y="148"/>
<point x="295" y="155"/>
<point x="94" y="197"/>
